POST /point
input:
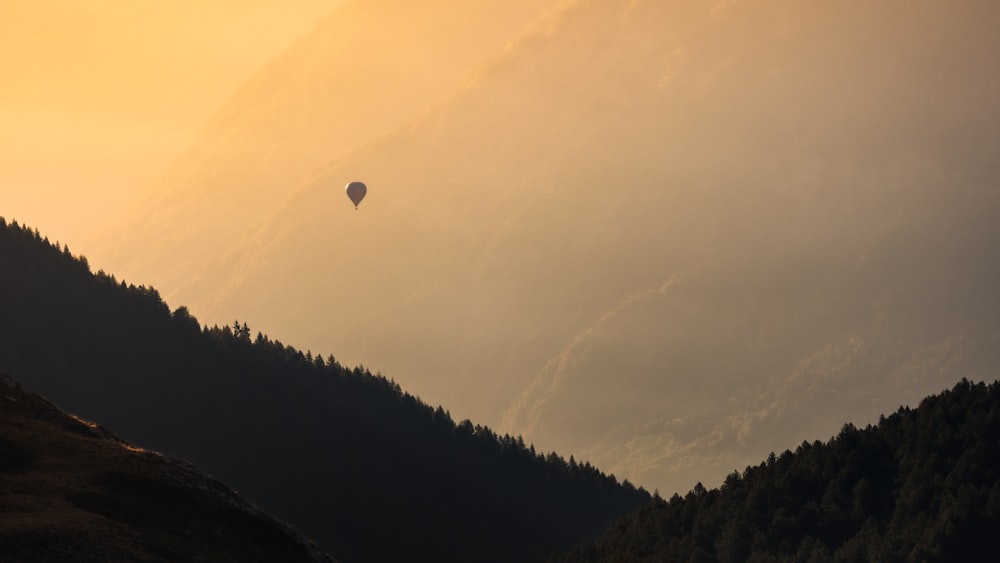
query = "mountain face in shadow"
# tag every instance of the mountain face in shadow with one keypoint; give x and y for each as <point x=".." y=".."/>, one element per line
<point x="666" y="236"/>
<point x="72" y="491"/>
<point x="922" y="485"/>
<point x="370" y="472"/>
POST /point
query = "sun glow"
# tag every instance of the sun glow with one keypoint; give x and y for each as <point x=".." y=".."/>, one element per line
<point x="98" y="96"/>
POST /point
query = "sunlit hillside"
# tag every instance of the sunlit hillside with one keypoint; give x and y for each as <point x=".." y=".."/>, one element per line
<point x="665" y="236"/>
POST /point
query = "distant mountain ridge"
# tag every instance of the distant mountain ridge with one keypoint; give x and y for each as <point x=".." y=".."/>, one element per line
<point x="652" y="232"/>
<point x="72" y="491"/>
<point x="761" y="217"/>
<point x="370" y="472"/>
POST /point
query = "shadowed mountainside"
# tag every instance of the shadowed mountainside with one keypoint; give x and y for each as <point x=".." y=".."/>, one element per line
<point x="370" y="472"/>
<point x="72" y="491"/>
<point x="922" y="485"/>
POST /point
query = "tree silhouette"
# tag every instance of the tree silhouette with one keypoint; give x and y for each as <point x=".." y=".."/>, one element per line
<point x="922" y="485"/>
<point x="368" y="470"/>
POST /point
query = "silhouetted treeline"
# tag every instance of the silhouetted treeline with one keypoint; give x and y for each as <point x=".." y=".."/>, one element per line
<point x="922" y="485"/>
<point x="369" y="471"/>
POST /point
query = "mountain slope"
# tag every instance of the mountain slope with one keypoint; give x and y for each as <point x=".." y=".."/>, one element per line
<point x="922" y="485"/>
<point x="372" y="473"/>
<point x="666" y="236"/>
<point x="360" y="72"/>
<point x="70" y="490"/>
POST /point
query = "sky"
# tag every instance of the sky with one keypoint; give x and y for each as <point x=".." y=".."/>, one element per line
<point x="98" y="97"/>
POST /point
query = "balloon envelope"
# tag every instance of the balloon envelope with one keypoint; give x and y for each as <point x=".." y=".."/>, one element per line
<point x="356" y="191"/>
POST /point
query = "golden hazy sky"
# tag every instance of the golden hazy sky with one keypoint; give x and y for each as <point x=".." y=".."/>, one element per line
<point x="98" y="96"/>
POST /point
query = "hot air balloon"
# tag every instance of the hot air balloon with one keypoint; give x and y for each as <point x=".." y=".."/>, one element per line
<point x="356" y="191"/>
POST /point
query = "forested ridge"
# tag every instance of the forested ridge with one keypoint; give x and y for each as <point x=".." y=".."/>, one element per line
<point x="369" y="471"/>
<point x="921" y="485"/>
<point x="375" y="474"/>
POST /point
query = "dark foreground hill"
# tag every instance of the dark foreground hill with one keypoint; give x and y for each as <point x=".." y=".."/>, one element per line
<point x="922" y="485"/>
<point x="367" y="470"/>
<point x="72" y="491"/>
